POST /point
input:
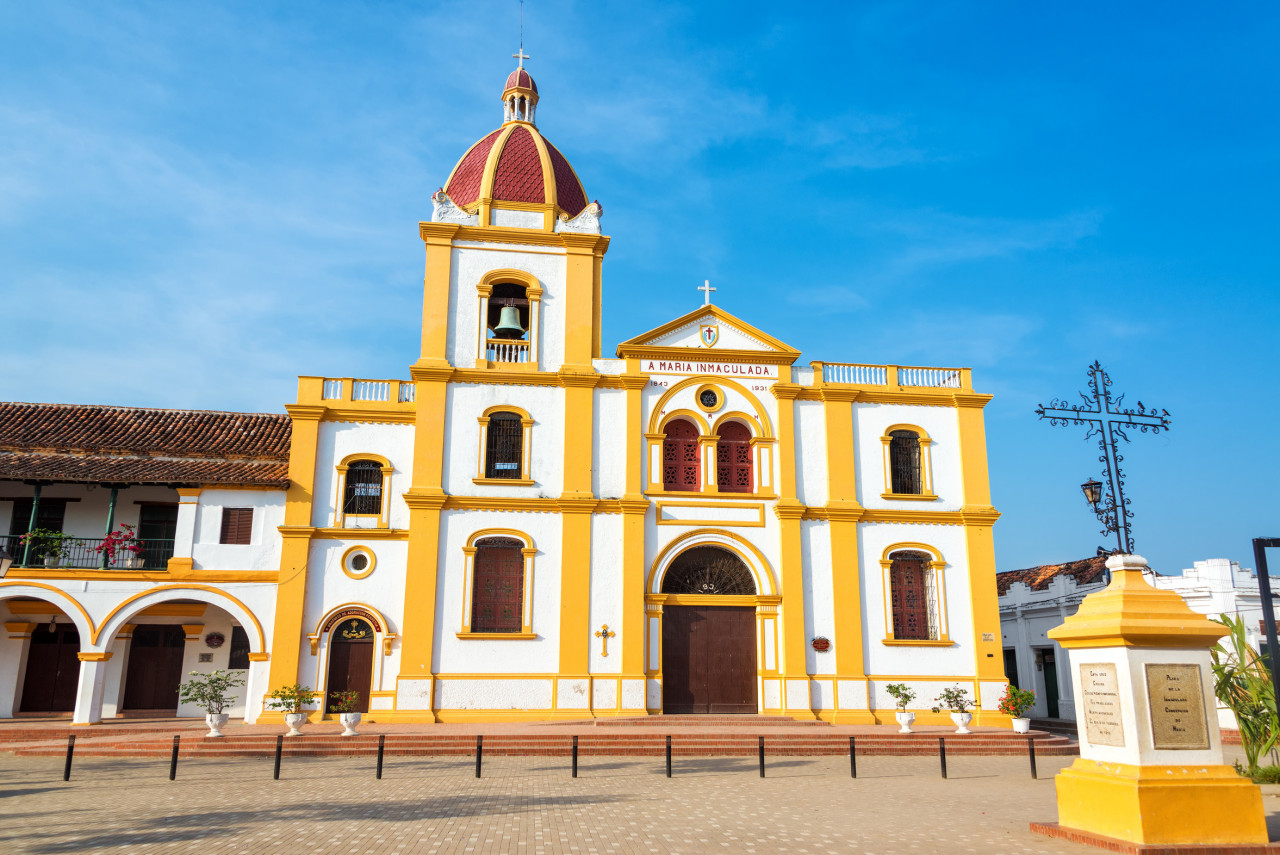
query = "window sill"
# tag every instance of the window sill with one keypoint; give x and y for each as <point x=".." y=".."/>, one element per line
<point x="496" y="636"/>
<point x="917" y="642"/>
<point x="504" y="482"/>
<point x="910" y="497"/>
<point x="709" y="493"/>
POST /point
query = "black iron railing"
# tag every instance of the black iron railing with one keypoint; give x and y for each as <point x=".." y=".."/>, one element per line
<point x="82" y="553"/>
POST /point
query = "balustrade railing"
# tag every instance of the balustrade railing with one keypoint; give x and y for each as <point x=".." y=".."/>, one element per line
<point x="507" y="350"/>
<point x="903" y="376"/>
<point x="81" y="553"/>
<point x="371" y="391"/>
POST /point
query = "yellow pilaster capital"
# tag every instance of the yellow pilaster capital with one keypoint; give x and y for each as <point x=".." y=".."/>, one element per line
<point x="839" y="394"/>
<point x="633" y="381"/>
<point x="581" y="244"/>
<point x="431" y="369"/>
<point x="789" y="509"/>
<point x="844" y="511"/>
<point x="974" y="400"/>
<point x="419" y="498"/>
<point x="438" y="233"/>
<point x="634" y="504"/>
<point x="301" y="532"/>
<point x="304" y="412"/>
<point x="980" y="515"/>
<point x="577" y="376"/>
<point x="786" y="391"/>
<point x="576" y="503"/>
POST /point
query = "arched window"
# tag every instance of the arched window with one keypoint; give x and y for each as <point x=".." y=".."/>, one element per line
<point x="733" y="458"/>
<point x="913" y="596"/>
<point x="497" y="599"/>
<point x="680" y="457"/>
<point x="708" y="570"/>
<point x="504" y="446"/>
<point x="363" y="492"/>
<point x="904" y="463"/>
<point x="508" y="323"/>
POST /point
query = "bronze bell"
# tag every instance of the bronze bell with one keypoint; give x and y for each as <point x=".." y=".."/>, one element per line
<point x="508" y="324"/>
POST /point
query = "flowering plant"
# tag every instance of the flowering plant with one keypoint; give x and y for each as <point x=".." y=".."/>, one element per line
<point x="124" y="541"/>
<point x="1015" y="702"/>
<point x="901" y="694"/>
<point x="293" y="698"/>
<point x="344" y="702"/>
<point x="211" y="692"/>
<point x="955" y="699"/>
<point x="44" y="542"/>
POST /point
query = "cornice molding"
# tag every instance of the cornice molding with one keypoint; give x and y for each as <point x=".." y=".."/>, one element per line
<point x="304" y="411"/>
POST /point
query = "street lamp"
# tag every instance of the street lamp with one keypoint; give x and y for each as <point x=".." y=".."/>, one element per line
<point x="6" y="561"/>
<point x="1092" y="491"/>
<point x="1260" y="545"/>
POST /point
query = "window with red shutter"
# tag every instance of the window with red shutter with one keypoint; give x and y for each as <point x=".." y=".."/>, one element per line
<point x="909" y="593"/>
<point x="733" y="458"/>
<point x="237" y="526"/>
<point x="497" y="600"/>
<point x="680" y="457"/>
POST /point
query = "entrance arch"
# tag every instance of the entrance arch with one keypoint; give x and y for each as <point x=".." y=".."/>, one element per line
<point x="351" y="656"/>
<point x="45" y="629"/>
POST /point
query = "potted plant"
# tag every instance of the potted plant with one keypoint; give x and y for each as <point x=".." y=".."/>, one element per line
<point x="125" y="544"/>
<point x="902" y="696"/>
<point x="50" y="545"/>
<point x="292" y="699"/>
<point x="957" y="700"/>
<point x="212" y="693"/>
<point x="1014" y="703"/>
<point x="344" y="704"/>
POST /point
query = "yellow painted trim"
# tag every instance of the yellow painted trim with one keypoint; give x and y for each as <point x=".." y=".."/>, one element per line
<point x="733" y="542"/>
<point x="175" y="610"/>
<point x="496" y="636"/>
<point x="926" y="463"/>
<point x="257" y="627"/>
<point x="644" y="341"/>
<point x="758" y="506"/>
<point x="373" y="613"/>
<point x="697" y="398"/>
<point x="370" y="416"/>
<point x="84" y="614"/>
<point x="658" y="417"/>
<point x="890" y="641"/>
<point x="526" y="447"/>
<point x="259" y="657"/>
<point x="94" y="655"/>
<point x="665" y="419"/>
<point x="504" y="482"/>
<point x="909" y="497"/>
<point x="704" y="599"/>
<point x="366" y="455"/>
<point x="340" y="487"/>
<point x="529" y="551"/>
<point x="366" y="551"/>
<point x="330" y="533"/>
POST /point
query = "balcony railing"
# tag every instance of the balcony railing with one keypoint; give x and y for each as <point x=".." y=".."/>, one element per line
<point x="81" y="553"/>
<point x="900" y="376"/>
<point x="507" y="350"/>
<point x="360" y="391"/>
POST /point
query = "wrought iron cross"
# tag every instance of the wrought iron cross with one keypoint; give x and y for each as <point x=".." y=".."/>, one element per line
<point x="706" y="290"/>
<point x="1108" y="419"/>
<point x="604" y="635"/>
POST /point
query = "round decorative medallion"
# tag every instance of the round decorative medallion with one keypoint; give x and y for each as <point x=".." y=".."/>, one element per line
<point x="358" y="562"/>
<point x="709" y="399"/>
<point x="215" y="640"/>
<point x="822" y="645"/>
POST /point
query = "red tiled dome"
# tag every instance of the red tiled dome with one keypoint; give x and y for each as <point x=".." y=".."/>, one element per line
<point x="520" y="79"/>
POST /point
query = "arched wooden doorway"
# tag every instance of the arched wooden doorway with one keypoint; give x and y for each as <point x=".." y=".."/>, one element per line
<point x="351" y="649"/>
<point x="53" y="667"/>
<point x="708" y="650"/>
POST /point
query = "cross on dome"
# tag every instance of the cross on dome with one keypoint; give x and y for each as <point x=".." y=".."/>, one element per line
<point x="706" y="290"/>
<point x="522" y="56"/>
<point x="520" y="94"/>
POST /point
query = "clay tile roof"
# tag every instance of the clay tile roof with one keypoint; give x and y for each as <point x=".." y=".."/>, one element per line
<point x="522" y="79"/>
<point x="1084" y="572"/>
<point x="138" y="445"/>
<point x="463" y="185"/>
<point x="569" y="195"/>
<point x="518" y="175"/>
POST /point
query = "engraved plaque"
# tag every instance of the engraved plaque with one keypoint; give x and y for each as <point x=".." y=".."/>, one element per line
<point x="1101" y="695"/>
<point x="1176" y="696"/>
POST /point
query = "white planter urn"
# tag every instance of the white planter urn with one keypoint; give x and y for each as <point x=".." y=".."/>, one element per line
<point x="904" y="721"/>
<point x="295" y="720"/>
<point x="1022" y="725"/>
<point x="962" y="720"/>
<point x="216" y="722"/>
<point x="349" y="721"/>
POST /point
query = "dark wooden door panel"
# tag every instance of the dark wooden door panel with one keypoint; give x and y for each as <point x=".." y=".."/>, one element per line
<point x="708" y="659"/>
<point x="350" y="669"/>
<point x="155" y="667"/>
<point x="53" y="670"/>
<point x="732" y="676"/>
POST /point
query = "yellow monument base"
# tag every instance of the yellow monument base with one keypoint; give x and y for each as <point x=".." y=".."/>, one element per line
<point x="1161" y="804"/>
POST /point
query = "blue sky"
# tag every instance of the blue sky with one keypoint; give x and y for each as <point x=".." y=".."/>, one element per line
<point x="199" y="202"/>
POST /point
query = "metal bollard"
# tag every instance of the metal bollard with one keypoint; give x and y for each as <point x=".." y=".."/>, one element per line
<point x="173" y="760"/>
<point x="382" y="744"/>
<point x="1031" y="753"/>
<point x="575" y="757"/>
<point x="479" y="753"/>
<point x="668" y="756"/>
<point x="279" y="748"/>
<point x="942" y="755"/>
<point x="71" y="749"/>
<point x="762" y="757"/>
<point x="853" y="759"/>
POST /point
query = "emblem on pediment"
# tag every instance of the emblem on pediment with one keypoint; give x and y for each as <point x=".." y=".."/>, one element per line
<point x="708" y="334"/>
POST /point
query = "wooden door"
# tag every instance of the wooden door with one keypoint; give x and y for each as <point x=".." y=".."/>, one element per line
<point x="708" y="659"/>
<point x="350" y="669"/>
<point x="155" y="668"/>
<point x="53" y="670"/>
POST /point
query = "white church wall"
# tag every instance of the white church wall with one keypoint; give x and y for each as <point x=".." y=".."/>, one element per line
<point x="506" y="656"/>
<point x="609" y="476"/>
<point x="466" y="402"/>
<point x="870" y="423"/>
<point x="606" y="591"/>
<point x="819" y="614"/>
<point x="811" y="453"/>
<point x="263" y="550"/>
<point x="338" y="440"/>
<point x="471" y="260"/>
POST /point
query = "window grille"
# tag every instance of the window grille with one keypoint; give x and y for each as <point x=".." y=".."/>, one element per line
<point x="680" y="457"/>
<point x="733" y="459"/>
<point x="504" y="446"/>
<point x="363" y="494"/>
<point x="497" y="599"/>
<point x="904" y="462"/>
<point x="708" y="570"/>
<point x="913" y="592"/>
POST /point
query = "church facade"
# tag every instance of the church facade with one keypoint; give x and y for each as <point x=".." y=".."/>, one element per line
<point x="528" y="529"/>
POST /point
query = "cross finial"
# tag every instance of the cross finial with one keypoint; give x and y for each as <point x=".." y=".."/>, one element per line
<point x="706" y="290"/>
<point x="521" y="55"/>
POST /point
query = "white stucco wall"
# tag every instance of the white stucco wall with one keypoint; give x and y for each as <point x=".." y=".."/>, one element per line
<point x="338" y="440"/>
<point x="870" y="423"/>
<point x="263" y="550"/>
<point x="465" y="403"/>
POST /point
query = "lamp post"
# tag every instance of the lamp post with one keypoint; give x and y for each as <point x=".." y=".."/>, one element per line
<point x="1260" y="545"/>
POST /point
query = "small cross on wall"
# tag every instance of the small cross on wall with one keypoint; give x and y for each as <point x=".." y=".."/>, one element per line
<point x="604" y="635"/>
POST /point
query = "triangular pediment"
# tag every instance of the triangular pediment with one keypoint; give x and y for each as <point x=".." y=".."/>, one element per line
<point x="729" y="336"/>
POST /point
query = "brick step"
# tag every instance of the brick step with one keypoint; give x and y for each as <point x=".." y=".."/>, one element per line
<point x="722" y="721"/>
<point x="468" y="741"/>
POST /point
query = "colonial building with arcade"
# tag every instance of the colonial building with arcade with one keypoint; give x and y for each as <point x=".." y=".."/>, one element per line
<point x="523" y="528"/>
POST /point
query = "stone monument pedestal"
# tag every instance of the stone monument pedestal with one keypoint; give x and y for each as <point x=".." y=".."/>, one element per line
<point x="1150" y="769"/>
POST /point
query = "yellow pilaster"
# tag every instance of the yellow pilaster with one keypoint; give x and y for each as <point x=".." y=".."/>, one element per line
<point x="438" y="238"/>
<point x="789" y="511"/>
<point x="634" y="507"/>
<point x="979" y="517"/>
<point x="291" y="590"/>
<point x="581" y="299"/>
<point x="843" y="513"/>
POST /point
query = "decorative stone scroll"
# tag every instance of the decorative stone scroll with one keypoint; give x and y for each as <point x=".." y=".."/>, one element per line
<point x="587" y="222"/>
<point x="443" y="210"/>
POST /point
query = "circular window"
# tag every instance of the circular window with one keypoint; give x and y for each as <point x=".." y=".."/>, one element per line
<point x="358" y="562"/>
<point x="710" y="399"/>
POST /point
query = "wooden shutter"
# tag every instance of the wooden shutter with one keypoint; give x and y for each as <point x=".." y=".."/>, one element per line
<point x="733" y="459"/>
<point x="497" y="599"/>
<point x="680" y="457"/>
<point x="908" y="593"/>
<point x="237" y="526"/>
